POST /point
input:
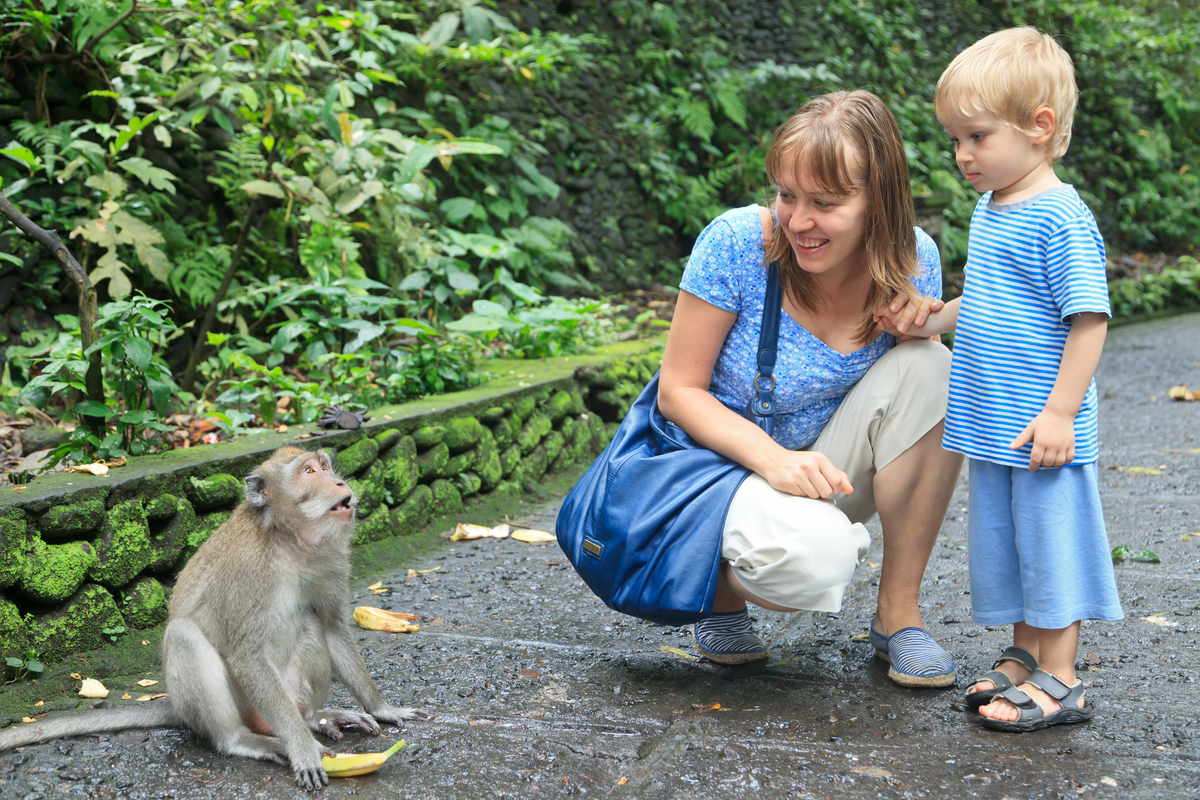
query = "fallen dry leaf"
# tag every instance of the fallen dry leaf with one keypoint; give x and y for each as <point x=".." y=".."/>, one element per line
<point x="126" y="696"/>
<point x="147" y="682"/>
<point x="377" y="619"/>
<point x="95" y="469"/>
<point x="151" y="696"/>
<point x="860" y="637"/>
<point x="676" y="651"/>
<point x="1107" y="781"/>
<point x="76" y="676"/>
<point x="1140" y="470"/>
<point x="375" y="585"/>
<point x="412" y="573"/>
<point x="532" y="536"/>
<point x="93" y="689"/>
<point x="1158" y="619"/>
<point x="466" y="532"/>
<point x="872" y="772"/>
<point x="623" y="781"/>
<point x="39" y="704"/>
<point x="28" y="719"/>
<point x="1181" y="392"/>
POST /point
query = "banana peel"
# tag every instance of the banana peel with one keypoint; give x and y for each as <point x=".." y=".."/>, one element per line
<point x="377" y="619"/>
<point x="347" y="765"/>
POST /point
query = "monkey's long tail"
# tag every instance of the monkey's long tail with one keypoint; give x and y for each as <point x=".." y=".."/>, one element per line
<point x="151" y="715"/>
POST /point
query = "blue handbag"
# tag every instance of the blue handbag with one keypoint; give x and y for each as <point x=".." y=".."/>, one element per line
<point x="643" y="526"/>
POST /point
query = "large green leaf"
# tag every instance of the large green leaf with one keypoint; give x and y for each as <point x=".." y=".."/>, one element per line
<point x="417" y="159"/>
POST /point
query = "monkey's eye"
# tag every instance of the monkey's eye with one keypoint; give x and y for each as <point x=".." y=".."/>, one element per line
<point x="308" y="470"/>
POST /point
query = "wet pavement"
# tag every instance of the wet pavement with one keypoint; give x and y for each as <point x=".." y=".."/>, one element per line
<point x="540" y="690"/>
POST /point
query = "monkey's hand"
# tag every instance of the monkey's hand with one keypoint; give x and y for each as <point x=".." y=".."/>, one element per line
<point x="396" y="715"/>
<point x="307" y="767"/>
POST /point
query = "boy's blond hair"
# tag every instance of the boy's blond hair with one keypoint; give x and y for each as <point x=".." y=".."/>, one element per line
<point x="1011" y="74"/>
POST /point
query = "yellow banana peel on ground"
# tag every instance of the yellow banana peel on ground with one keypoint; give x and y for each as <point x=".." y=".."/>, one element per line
<point x="377" y="619"/>
<point x="347" y="765"/>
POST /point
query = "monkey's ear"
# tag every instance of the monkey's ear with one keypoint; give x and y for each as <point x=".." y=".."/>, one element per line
<point x="256" y="491"/>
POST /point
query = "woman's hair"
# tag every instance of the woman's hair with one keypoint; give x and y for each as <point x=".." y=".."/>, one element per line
<point x="837" y="144"/>
<point x="1011" y="74"/>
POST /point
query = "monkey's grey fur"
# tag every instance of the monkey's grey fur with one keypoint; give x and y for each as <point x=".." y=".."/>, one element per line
<point x="257" y="628"/>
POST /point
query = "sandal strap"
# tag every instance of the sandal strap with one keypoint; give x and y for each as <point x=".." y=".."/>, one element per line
<point x="998" y="679"/>
<point x="1027" y="708"/>
<point x="1018" y="654"/>
<point x="1056" y="688"/>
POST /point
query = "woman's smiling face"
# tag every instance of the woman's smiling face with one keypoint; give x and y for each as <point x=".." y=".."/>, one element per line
<point x="826" y="231"/>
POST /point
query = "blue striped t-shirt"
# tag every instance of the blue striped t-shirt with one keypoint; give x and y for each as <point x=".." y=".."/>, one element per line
<point x="1030" y="266"/>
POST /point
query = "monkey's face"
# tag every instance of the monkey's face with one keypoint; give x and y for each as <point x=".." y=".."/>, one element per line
<point x="320" y="493"/>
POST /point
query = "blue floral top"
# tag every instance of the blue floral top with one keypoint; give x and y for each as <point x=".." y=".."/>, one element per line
<point x="727" y="269"/>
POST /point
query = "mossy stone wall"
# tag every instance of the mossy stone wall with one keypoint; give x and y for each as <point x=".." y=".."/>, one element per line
<point x="82" y="553"/>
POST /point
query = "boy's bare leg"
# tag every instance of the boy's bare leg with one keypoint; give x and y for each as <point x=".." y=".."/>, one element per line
<point x="1056" y="655"/>
<point x="1023" y="636"/>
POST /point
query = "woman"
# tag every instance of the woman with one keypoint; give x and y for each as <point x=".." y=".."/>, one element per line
<point x="858" y="417"/>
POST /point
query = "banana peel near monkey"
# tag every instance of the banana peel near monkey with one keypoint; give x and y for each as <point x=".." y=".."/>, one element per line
<point x="257" y="630"/>
<point x="347" y="765"/>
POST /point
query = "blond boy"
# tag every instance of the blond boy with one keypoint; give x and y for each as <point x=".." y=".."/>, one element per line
<point x="1030" y="326"/>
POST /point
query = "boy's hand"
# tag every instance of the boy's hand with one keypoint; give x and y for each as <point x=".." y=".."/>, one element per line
<point x="1053" y="437"/>
<point x="905" y="312"/>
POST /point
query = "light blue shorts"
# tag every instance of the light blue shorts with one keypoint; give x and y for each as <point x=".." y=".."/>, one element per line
<point x="1039" y="552"/>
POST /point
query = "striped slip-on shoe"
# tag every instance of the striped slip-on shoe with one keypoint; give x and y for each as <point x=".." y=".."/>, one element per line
<point x="728" y="638"/>
<point x="916" y="659"/>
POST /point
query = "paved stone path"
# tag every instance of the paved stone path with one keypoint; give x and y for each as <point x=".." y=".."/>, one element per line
<point x="540" y="690"/>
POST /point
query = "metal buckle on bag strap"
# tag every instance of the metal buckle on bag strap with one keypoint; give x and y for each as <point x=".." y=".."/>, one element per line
<point x="761" y="404"/>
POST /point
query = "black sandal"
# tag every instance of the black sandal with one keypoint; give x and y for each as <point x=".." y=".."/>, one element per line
<point x="998" y="679"/>
<point x="1032" y="718"/>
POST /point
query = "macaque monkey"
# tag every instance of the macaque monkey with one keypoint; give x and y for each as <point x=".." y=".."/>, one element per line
<point x="257" y="628"/>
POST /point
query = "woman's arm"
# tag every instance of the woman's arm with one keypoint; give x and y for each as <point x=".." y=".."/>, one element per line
<point x="698" y="331"/>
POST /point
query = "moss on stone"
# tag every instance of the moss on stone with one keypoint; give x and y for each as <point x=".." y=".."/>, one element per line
<point x="461" y="463"/>
<point x="432" y="463"/>
<point x="535" y="429"/>
<point x="559" y="406"/>
<point x="507" y="430"/>
<point x="145" y="603"/>
<point x="524" y="407"/>
<point x="468" y="483"/>
<point x="13" y="541"/>
<point x="214" y="491"/>
<point x="386" y="439"/>
<point x="169" y="538"/>
<point x="489" y="468"/>
<point x="410" y="514"/>
<point x="376" y="526"/>
<point x="401" y="471"/>
<point x="463" y="433"/>
<point x="205" y="527"/>
<point x="510" y="459"/>
<point x="533" y="465"/>
<point x="429" y="436"/>
<point x="161" y="507"/>
<point x="53" y="572"/>
<point x="72" y="520"/>
<point x="357" y="457"/>
<point x="123" y="548"/>
<point x="369" y="492"/>
<point x="77" y="625"/>
<point x="577" y="405"/>
<point x="492" y="415"/>
<point x="14" y="638"/>
<point x="507" y="489"/>
<point x="596" y="424"/>
<point x="446" y="498"/>
<point x="567" y="429"/>
<point x="553" y="443"/>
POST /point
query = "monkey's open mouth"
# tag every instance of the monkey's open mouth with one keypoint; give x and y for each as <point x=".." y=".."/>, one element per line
<point x="343" y="504"/>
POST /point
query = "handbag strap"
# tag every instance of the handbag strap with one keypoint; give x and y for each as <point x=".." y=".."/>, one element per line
<point x="762" y="404"/>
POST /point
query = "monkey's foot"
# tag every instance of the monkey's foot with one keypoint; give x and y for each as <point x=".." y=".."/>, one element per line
<point x="396" y="715"/>
<point x="329" y="721"/>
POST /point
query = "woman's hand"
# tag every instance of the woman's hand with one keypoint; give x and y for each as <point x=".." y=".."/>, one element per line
<point x="905" y="312"/>
<point x="806" y="474"/>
